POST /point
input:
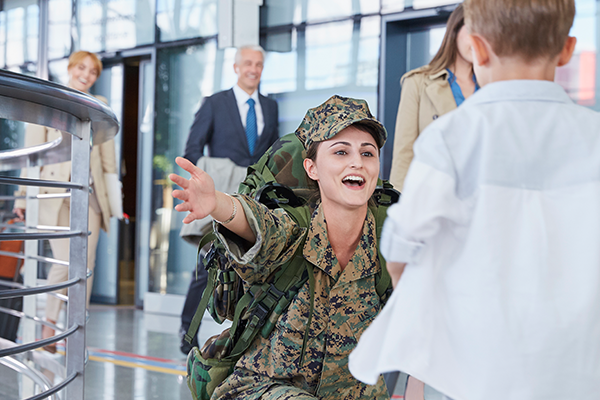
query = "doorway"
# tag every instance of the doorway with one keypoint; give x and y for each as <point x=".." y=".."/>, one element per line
<point x="122" y="82"/>
<point x="408" y="40"/>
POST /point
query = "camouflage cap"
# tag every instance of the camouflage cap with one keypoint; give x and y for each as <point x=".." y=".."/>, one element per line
<point x="337" y="113"/>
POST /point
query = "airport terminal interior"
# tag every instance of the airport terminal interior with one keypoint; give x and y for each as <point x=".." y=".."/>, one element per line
<point x="160" y="59"/>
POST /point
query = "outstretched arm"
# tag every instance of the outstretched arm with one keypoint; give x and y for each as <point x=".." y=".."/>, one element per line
<point x="201" y="199"/>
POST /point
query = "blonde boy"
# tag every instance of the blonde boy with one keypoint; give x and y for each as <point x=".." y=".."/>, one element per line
<point x="496" y="238"/>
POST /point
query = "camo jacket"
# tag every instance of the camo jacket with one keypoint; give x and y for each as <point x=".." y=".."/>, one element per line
<point x="344" y="305"/>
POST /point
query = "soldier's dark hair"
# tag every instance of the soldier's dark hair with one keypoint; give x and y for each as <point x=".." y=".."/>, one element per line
<point x="311" y="153"/>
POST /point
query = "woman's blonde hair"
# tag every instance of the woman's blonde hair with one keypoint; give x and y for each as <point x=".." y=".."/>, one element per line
<point x="80" y="55"/>
<point x="446" y="55"/>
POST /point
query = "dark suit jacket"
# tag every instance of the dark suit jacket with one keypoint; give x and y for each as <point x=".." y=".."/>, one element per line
<point x="218" y="124"/>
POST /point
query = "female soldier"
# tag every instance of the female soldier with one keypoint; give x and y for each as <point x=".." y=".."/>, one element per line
<point x="431" y="91"/>
<point x="342" y="141"/>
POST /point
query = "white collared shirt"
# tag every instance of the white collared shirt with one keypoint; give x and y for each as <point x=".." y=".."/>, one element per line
<point x="241" y="97"/>
<point x="499" y="222"/>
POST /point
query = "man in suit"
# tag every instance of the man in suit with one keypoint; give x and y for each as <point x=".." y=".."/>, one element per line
<point x="239" y="124"/>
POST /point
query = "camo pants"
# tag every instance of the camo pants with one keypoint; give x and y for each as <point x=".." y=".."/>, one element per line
<point x="247" y="385"/>
<point x="286" y="393"/>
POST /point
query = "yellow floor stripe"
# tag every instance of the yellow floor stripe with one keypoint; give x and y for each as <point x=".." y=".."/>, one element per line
<point x="136" y="365"/>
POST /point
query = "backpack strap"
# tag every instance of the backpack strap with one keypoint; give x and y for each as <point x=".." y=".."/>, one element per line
<point x="386" y="198"/>
<point x="195" y="324"/>
<point x="266" y="302"/>
<point x="311" y="283"/>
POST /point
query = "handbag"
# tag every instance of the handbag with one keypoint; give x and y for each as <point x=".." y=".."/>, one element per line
<point x="9" y="271"/>
<point x="9" y="266"/>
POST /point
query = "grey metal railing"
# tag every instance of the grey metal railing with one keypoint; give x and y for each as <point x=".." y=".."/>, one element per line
<point x="82" y="120"/>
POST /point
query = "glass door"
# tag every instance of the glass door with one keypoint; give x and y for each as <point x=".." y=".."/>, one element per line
<point x="409" y="40"/>
<point x="105" y="289"/>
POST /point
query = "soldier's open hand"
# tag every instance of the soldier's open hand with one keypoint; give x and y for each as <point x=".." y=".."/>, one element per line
<point x="198" y="192"/>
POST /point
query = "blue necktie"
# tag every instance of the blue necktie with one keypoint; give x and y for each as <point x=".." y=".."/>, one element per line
<point x="251" y="129"/>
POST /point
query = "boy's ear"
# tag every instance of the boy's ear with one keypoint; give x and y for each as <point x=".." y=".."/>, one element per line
<point x="567" y="51"/>
<point x="480" y="50"/>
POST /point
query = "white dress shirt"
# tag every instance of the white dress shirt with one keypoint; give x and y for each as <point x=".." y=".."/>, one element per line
<point x="241" y="97"/>
<point x="499" y="222"/>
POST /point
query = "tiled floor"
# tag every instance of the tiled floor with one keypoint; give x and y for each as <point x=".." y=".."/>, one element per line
<point x="133" y="355"/>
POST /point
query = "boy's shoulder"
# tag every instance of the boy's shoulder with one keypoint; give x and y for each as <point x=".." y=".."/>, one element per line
<point x="516" y="99"/>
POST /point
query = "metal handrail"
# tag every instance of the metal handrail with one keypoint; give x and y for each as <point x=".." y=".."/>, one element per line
<point x="9" y="294"/>
<point x="38" y="182"/>
<point x="39" y="236"/>
<point x="55" y="389"/>
<point x="38" y="197"/>
<point x="76" y="115"/>
<point x="38" y="258"/>
<point x="50" y="104"/>
<point x="40" y="379"/>
<point x="38" y="344"/>
<point x="21" y="314"/>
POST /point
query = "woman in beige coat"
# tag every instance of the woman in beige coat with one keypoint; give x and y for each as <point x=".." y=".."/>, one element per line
<point x="84" y="69"/>
<point x="431" y="91"/>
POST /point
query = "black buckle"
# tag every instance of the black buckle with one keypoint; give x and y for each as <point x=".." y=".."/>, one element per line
<point x="274" y="292"/>
<point x="381" y="193"/>
<point x="261" y="312"/>
<point x="210" y="256"/>
<point x="283" y="195"/>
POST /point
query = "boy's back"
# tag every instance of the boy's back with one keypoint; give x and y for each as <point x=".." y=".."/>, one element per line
<point x="499" y="225"/>
<point x="505" y="195"/>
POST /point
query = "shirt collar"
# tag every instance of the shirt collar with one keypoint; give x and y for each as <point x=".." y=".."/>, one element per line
<point x="241" y="97"/>
<point x="439" y="74"/>
<point x="318" y="250"/>
<point x="520" y="90"/>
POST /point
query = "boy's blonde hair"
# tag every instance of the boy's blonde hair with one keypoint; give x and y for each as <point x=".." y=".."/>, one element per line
<point x="80" y="55"/>
<point x="530" y="29"/>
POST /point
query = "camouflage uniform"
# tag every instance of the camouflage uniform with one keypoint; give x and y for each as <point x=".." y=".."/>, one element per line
<point x="345" y="302"/>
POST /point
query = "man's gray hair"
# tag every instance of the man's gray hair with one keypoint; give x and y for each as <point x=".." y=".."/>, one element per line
<point x="238" y="54"/>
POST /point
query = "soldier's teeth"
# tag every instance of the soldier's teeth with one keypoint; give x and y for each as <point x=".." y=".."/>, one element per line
<point x="353" y="178"/>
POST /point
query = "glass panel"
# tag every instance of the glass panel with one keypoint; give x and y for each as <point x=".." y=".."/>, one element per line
<point x="22" y="19"/>
<point x="57" y="71"/>
<point x="284" y="12"/>
<point x="178" y="97"/>
<point x="341" y="55"/>
<point x="109" y="85"/>
<point x="182" y="19"/>
<point x="328" y="55"/>
<point x="392" y="6"/>
<point x="417" y="4"/>
<point x="2" y="39"/>
<point x="114" y="24"/>
<point x="12" y="135"/>
<point x="578" y="77"/>
<point x="280" y="72"/>
<point x="436" y="36"/>
<point x="280" y="12"/>
<point x="367" y="73"/>
<point x="319" y="10"/>
<point x="59" y="28"/>
<point x="144" y="180"/>
<point x="228" y="75"/>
